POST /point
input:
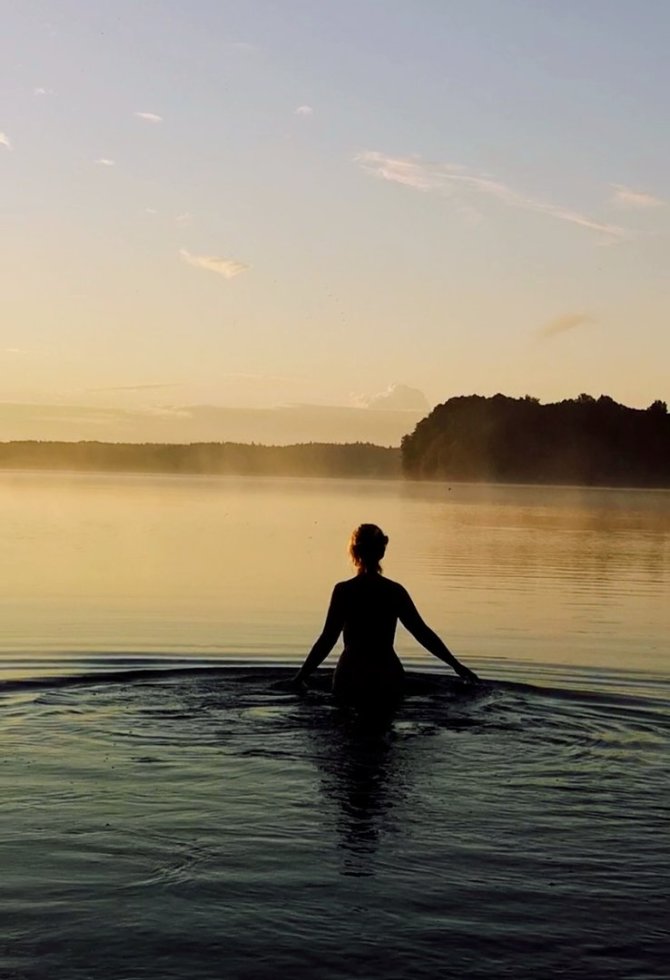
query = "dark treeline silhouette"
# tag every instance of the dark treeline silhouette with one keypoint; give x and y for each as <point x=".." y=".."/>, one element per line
<point x="307" y="459"/>
<point x="585" y="441"/>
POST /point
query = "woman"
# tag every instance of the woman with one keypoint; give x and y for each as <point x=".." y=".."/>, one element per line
<point x="366" y="609"/>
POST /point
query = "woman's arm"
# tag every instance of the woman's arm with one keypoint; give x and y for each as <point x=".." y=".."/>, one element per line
<point x="325" y="643"/>
<point x="409" y="616"/>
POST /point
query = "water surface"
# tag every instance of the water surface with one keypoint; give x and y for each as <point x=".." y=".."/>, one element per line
<point x="100" y="565"/>
<point x="170" y="810"/>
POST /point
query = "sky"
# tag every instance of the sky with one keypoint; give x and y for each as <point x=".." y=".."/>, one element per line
<point x="355" y="203"/>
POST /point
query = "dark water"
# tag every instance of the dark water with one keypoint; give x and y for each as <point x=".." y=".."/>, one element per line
<point x="209" y="824"/>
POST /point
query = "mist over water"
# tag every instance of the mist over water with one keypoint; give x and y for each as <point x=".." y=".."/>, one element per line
<point x="169" y="809"/>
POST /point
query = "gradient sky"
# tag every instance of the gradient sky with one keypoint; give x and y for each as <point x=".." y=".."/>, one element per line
<point x="306" y="201"/>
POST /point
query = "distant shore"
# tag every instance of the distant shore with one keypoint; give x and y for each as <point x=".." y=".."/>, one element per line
<point x="362" y="461"/>
<point x="468" y="439"/>
<point x="354" y="460"/>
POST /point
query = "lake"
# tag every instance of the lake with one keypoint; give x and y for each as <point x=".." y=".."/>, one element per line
<point x="169" y="809"/>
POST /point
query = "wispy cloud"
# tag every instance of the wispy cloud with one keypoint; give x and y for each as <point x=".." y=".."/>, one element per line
<point x="561" y="324"/>
<point x="185" y="218"/>
<point x="106" y="162"/>
<point x="5" y="141"/>
<point x="627" y="197"/>
<point x="228" y="268"/>
<point x="151" y="117"/>
<point x="40" y="90"/>
<point x="168" y="411"/>
<point x="304" y="110"/>
<point x="410" y="171"/>
<point x="245" y="46"/>
<point x="144" y="387"/>
<point x="261" y="378"/>
<point x="449" y="179"/>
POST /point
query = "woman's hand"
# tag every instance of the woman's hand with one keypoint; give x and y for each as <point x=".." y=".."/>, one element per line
<point x="466" y="674"/>
<point x="295" y="683"/>
<point x="298" y="683"/>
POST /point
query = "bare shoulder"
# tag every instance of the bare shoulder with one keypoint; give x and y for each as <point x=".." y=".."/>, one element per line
<point x="393" y="590"/>
<point x="402" y="600"/>
<point x="398" y="591"/>
<point x="341" y="589"/>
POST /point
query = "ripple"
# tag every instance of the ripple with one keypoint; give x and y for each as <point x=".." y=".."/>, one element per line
<point x="162" y="822"/>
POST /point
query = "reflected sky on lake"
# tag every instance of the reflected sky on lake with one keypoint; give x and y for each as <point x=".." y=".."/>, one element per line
<point x="243" y="567"/>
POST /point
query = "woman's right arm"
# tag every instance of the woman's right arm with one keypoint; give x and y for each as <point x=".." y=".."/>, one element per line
<point x="327" y="640"/>
<point x="409" y="616"/>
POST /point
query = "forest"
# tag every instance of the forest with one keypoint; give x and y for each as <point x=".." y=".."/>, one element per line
<point x="243" y="459"/>
<point x="586" y="441"/>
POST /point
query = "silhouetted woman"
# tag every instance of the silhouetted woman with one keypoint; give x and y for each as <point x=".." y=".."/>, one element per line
<point x="366" y="609"/>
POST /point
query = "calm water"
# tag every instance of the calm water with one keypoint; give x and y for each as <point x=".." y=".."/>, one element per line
<point x="168" y="810"/>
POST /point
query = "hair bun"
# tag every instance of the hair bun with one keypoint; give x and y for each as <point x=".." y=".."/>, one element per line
<point x="367" y="546"/>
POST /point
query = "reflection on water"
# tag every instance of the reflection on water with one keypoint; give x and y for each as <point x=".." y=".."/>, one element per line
<point x="363" y="779"/>
<point x="209" y="566"/>
<point x="369" y="765"/>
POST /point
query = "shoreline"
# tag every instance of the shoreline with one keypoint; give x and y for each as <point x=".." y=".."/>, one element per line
<point x="398" y="478"/>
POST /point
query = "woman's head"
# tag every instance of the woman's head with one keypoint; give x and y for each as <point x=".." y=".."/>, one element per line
<point x="367" y="546"/>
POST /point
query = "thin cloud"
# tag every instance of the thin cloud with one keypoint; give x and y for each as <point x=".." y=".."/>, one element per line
<point x="262" y="378"/>
<point x="245" y="46"/>
<point x="167" y="411"/>
<point x="304" y="110"/>
<point x="228" y="268"/>
<point x="562" y="324"/>
<point x="627" y="197"/>
<point x="5" y="141"/>
<point x="185" y="218"/>
<point x="144" y="387"/>
<point x="40" y="90"/>
<point x="449" y="178"/>
<point x="151" y="117"/>
<point x="106" y="162"/>
<point x="410" y="171"/>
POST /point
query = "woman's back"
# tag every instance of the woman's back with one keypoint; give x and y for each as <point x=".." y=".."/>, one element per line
<point x="368" y="607"/>
<point x="368" y="672"/>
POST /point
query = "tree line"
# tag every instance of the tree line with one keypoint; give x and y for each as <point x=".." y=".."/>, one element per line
<point x="243" y="459"/>
<point x="584" y="440"/>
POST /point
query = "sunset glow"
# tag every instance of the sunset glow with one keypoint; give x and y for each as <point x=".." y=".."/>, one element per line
<point x="259" y="205"/>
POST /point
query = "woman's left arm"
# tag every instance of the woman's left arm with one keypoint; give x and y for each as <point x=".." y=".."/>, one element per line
<point x="329" y="634"/>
